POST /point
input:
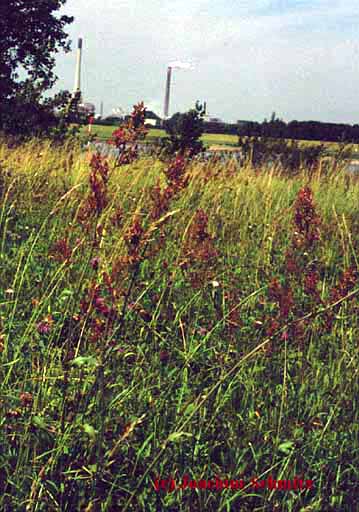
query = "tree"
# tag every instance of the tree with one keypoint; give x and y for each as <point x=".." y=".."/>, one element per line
<point x="184" y="131"/>
<point x="30" y="36"/>
<point x="289" y="155"/>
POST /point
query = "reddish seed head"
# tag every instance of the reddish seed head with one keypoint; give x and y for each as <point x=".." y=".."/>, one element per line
<point x="126" y="137"/>
<point x="164" y="356"/>
<point x="285" y="336"/>
<point x="145" y="315"/>
<point x="175" y="174"/>
<point x="26" y="399"/>
<point x="202" y="331"/>
<point x="95" y="263"/>
<point x="44" y="327"/>
<point x="61" y="250"/>
<point x="306" y="220"/>
<point x="311" y="281"/>
<point x="273" y="327"/>
<point x="101" y="306"/>
<point x="283" y="296"/>
<point x="13" y="413"/>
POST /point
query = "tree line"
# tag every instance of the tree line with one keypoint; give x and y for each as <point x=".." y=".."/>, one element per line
<point x="300" y="130"/>
<point x="296" y="130"/>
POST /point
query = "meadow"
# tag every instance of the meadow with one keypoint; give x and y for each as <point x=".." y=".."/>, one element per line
<point x="103" y="133"/>
<point x="169" y="320"/>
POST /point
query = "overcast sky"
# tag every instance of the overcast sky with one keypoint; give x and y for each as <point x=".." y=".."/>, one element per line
<point x="298" y="58"/>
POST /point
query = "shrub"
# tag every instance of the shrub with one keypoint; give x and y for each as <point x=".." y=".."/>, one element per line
<point x="184" y="131"/>
<point x="289" y="155"/>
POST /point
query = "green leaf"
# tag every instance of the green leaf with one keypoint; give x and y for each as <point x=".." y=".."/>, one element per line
<point x="90" y="431"/>
<point x="189" y="409"/>
<point x="286" y="447"/>
<point x="38" y="422"/>
<point x="84" y="361"/>
<point x="175" y="436"/>
<point x="66" y="293"/>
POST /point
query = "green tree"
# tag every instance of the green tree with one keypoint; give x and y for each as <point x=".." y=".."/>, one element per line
<point x="185" y="130"/>
<point x="289" y="155"/>
<point x="31" y="33"/>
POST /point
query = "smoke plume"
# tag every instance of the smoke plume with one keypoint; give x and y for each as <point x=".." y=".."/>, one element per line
<point x="180" y="65"/>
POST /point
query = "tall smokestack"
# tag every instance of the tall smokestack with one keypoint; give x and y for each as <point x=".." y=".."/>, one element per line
<point x="77" y="85"/>
<point x="168" y="89"/>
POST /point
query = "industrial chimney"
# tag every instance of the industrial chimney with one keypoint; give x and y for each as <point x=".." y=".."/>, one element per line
<point x="77" y="85"/>
<point x="168" y="89"/>
<point x="173" y="65"/>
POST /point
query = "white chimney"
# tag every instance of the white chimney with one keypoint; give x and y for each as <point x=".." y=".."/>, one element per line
<point x="173" y="65"/>
<point x="77" y="85"/>
<point x="167" y="96"/>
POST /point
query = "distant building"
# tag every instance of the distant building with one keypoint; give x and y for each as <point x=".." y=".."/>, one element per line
<point x="87" y="109"/>
<point x="152" y="119"/>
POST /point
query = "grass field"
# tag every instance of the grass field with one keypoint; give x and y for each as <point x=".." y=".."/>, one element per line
<point x="104" y="133"/>
<point x="209" y="139"/>
<point x="154" y="327"/>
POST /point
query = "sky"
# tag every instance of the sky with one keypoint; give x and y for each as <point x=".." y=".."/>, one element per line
<point x="298" y="58"/>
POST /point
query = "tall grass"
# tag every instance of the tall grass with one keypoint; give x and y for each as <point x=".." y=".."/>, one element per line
<point x="151" y="327"/>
